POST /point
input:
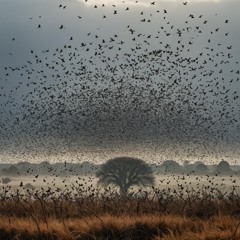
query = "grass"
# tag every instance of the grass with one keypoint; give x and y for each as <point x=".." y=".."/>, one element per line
<point x="157" y="214"/>
<point x="122" y="227"/>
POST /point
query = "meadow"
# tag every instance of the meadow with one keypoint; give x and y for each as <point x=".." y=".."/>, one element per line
<point x="179" y="206"/>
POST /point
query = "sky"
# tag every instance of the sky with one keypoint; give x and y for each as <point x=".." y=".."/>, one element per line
<point x="91" y="80"/>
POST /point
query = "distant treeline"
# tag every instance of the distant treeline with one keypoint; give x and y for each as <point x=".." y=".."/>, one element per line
<point x="68" y="169"/>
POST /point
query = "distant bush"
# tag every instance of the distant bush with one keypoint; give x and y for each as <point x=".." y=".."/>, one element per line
<point x="28" y="186"/>
<point x="12" y="171"/>
<point x="201" y="168"/>
<point x="223" y="167"/>
<point x="6" y="180"/>
<point x="171" y="166"/>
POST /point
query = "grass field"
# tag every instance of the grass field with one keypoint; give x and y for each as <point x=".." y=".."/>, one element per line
<point x="149" y="226"/>
<point x="187" y="207"/>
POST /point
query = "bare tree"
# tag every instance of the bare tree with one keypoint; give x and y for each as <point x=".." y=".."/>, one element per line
<point x="125" y="172"/>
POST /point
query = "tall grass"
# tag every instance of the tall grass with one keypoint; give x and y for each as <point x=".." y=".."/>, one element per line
<point x="94" y="214"/>
<point x="150" y="226"/>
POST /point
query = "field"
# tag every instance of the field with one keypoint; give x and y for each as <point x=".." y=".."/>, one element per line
<point x="119" y="120"/>
<point x="178" y="207"/>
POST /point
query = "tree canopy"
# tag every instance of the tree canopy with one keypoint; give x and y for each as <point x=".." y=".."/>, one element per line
<point x="223" y="167"/>
<point x="171" y="166"/>
<point x="125" y="172"/>
<point x="201" y="168"/>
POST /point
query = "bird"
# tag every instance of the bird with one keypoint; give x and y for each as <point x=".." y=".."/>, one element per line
<point x="146" y="85"/>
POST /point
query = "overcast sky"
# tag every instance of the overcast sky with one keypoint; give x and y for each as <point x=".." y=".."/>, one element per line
<point x="88" y="80"/>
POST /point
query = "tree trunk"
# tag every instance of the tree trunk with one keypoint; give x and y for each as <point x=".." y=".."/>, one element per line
<point x="123" y="191"/>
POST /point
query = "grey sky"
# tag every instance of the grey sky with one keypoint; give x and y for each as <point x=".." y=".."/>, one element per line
<point x="38" y="41"/>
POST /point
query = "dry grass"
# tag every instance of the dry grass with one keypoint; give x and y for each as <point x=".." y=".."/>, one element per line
<point x="153" y="215"/>
<point x="122" y="227"/>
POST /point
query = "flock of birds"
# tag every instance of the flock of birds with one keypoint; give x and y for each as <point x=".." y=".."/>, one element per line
<point x="67" y="179"/>
<point x="177" y="83"/>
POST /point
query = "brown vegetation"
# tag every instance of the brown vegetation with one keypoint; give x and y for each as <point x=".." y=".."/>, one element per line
<point x="151" y="226"/>
<point x="157" y="214"/>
